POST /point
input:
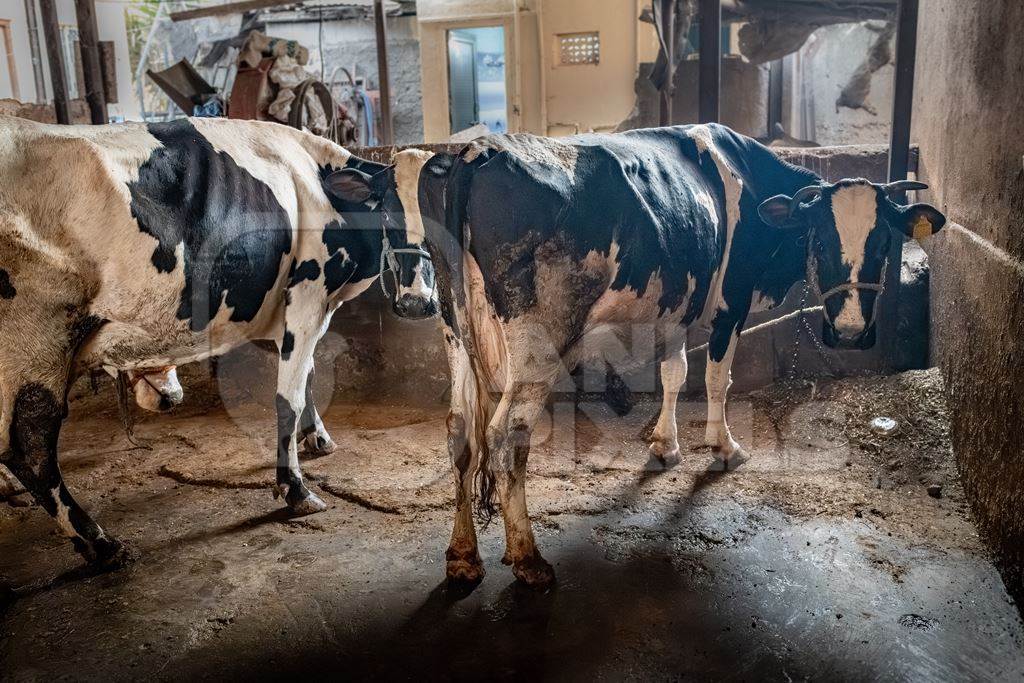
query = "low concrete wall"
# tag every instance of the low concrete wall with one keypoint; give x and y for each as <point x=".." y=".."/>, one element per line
<point x="967" y="121"/>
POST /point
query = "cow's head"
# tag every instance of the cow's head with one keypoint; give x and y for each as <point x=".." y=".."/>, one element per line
<point x="849" y="228"/>
<point x="391" y="196"/>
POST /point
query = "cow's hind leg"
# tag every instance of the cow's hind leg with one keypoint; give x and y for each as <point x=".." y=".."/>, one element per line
<point x="463" y="556"/>
<point x="508" y="438"/>
<point x="665" y="439"/>
<point x="294" y="366"/>
<point x="316" y="441"/>
<point x="36" y="414"/>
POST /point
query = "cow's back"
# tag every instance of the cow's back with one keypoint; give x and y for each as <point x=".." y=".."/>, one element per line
<point x="175" y="224"/>
<point x="647" y="203"/>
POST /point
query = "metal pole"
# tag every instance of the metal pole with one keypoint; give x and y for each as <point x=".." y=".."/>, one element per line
<point x="37" y="53"/>
<point x="775" y="72"/>
<point x="710" y="68"/>
<point x="89" y="44"/>
<point x="55" y="56"/>
<point x="383" y="79"/>
<point x="668" y="35"/>
<point x="899" y="157"/>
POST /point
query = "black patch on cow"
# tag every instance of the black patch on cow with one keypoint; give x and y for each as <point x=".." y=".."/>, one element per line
<point x="307" y="270"/>
<point x="353" y="249"/>
<point x="7" y="290"/>
<point x="287" y="345"/>
<point x="233" y="229"/>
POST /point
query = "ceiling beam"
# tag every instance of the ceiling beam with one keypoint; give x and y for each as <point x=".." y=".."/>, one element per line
<point x="229" y="8"/>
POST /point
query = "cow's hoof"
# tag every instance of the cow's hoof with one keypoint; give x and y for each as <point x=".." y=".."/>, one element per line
<point x="534" y="571"/>
<point x="665" y="451"/>
<point x="107" y="554"/>
<point x="467" y="571"/>
<point x="317" y="446"/>
<point x="310" y="505"/>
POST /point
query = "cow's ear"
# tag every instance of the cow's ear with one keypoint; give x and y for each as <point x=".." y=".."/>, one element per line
<point x="352" y="185"/>
<point x="439" y="165"/>
<point x="775" y="211"/>
<point x="920" y="220"/>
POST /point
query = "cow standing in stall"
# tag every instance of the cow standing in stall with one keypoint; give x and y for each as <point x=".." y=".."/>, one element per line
<point x="138" y="247"/>
<point x="539" y="242"/>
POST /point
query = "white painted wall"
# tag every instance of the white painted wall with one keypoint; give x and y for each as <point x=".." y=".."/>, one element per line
<point x="111" y="25"/>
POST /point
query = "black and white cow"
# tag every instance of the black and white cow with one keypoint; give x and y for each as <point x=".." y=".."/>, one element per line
<point x="539" y="242"/>
<point x="138" y="247"/>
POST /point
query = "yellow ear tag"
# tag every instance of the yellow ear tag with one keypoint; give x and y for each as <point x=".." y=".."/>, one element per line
<point x="922" y="228"/>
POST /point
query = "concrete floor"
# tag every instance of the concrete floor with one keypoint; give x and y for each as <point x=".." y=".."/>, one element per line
<point x="821" y="557"/>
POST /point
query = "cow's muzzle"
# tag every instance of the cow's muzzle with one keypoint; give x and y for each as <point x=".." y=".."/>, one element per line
<point x="415" y="307"/>
<point x="834" y="339"/>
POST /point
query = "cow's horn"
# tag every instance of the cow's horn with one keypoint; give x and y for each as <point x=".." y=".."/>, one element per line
<point x="804" y="194"/>
<point x="903" y="186"/>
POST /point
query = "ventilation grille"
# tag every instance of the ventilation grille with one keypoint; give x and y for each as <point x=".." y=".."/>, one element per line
<point x="579" y="48"/>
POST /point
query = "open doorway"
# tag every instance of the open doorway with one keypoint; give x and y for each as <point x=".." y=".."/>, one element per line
<point x="476" y="78"/>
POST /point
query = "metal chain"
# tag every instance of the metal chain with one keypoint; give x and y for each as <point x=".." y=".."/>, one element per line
<point x="801" y="322"/>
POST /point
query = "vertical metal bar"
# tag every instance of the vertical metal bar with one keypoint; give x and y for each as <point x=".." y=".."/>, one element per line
<point x="775" y="72"/>
<point x="55" y="56"/>
<point x="899" y="158"/>
<point x="37" y="53"/>
<point x="89" y="45"/>
<point x="383" y="78"/>
<point x="710" y="68"/>
<point x="668" y="22"/>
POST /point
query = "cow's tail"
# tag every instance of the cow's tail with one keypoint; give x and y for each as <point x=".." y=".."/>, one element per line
<point x="457" y="192"/>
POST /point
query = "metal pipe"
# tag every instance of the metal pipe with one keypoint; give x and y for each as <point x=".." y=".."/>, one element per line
<point x="899" y="159"/>
<point x="709" y="79"/>
<point x="383" y="78"/>
<point x="668" y="22"/>
<point x="37" y="53"/>
<point x="89" y="45"/>
<point x="55" y="56"/>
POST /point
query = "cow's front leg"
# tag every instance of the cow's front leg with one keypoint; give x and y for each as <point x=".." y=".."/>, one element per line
<point x="665" y="439"/>
<point x="31" y="455"/>
<point x="294" y="365"/>
<point x="316" y="441"/>
<point x="508" y="438"/>
<point x="718" y="379"/>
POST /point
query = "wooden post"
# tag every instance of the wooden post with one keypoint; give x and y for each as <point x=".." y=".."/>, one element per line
<point x="89" y="44"/>
<point x="383" y="79"/>
<point x="55" y="56"/>
<point x="668" y="21"/>
<point x="710" y="67"/>
<point x="899" y="160"/>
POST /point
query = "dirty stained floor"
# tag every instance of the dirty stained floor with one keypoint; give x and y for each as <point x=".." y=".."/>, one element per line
<point x="822" y="557"/>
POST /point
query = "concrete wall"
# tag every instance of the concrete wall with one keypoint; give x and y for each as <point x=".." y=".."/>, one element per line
<point x="352" y="44"/>
<point x="826" y="63"/>
<point x="968" y="122"/>
<point x="111" y="25"/>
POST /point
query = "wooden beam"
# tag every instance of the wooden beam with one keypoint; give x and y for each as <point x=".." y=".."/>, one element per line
<point x="89" y="45"/>
<point x="667" y="17"/>
<point x="899" y="160"/>
<point x="12" y="68"/>
<point x="709" y="79"/>
<point x="229" y="8"/>
<point x="383" y="77"/>
<point x="55" y="56"/>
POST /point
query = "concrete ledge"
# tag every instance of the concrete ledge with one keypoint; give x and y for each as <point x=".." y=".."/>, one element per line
<point x="977" y="318"/>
